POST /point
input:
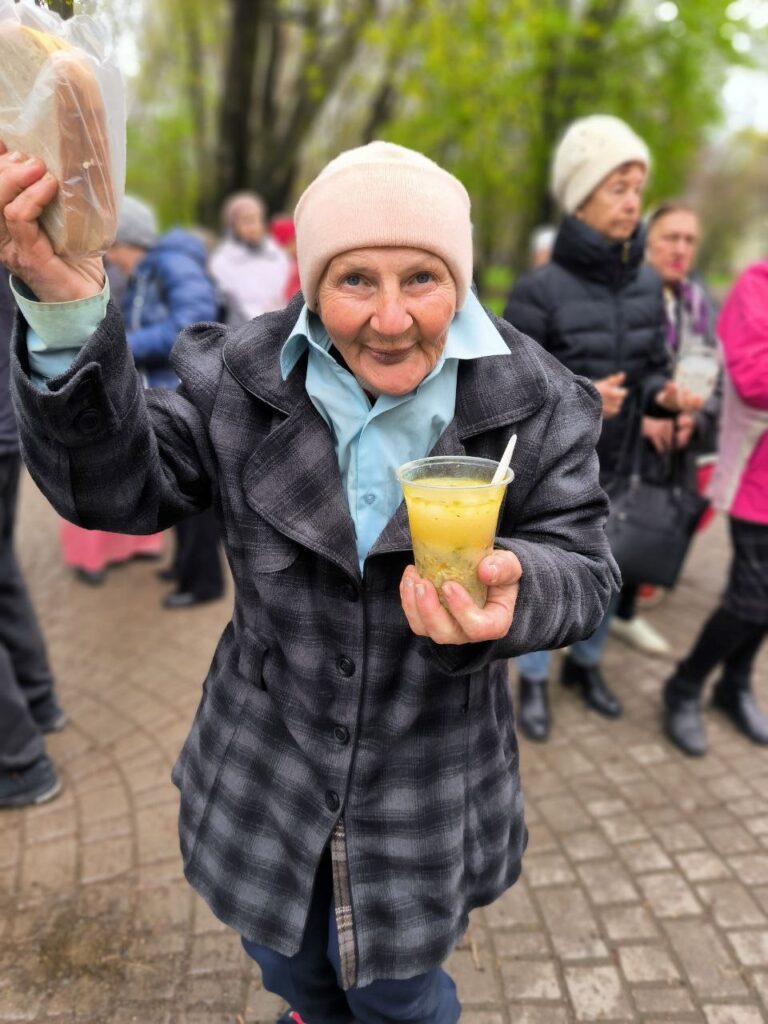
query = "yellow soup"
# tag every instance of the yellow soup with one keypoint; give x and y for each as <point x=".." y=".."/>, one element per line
<point x="452" y="528"/>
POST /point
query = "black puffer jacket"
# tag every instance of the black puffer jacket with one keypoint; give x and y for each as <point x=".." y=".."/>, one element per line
<point x="598" y="310"/>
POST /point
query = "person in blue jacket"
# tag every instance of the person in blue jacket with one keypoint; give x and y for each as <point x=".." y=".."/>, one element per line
<point x="168" y="289"/>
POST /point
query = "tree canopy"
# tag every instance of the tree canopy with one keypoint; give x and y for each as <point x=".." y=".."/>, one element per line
<point x="260" y="93"/>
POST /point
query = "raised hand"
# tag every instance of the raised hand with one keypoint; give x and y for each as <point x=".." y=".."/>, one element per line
<point x="26" y="188"/>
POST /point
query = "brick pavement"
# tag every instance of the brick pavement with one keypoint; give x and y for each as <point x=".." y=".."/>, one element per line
<point x="644" y="895"/>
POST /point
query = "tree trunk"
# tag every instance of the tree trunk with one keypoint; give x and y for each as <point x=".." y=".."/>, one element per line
<point x="237" y="97"/>
<point x="281" y="66"/>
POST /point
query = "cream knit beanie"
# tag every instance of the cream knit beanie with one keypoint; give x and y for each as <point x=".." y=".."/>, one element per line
<point x="590" y="150"/>
<point x="383" y="195"/>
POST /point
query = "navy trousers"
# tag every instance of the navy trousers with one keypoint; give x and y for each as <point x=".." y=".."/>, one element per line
<point x="309" y="981"/>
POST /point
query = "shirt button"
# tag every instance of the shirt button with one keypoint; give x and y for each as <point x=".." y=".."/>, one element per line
<point x="332" y="800"/>
<point x="346" y="666"/>
<point x="341" y="734"/>
<point x="369" y="499"/>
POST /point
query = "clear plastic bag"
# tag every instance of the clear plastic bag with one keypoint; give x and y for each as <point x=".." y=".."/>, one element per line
<point x="62" y="99"/>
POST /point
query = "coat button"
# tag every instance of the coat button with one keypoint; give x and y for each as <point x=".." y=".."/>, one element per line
<point x="349" y="590"/>
<point x="332" y="800"/>
<point x="341" y="734"/>
<point x="89" y="421"/>
<point x="346" y="666"/>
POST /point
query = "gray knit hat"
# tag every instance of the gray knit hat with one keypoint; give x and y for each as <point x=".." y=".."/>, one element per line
<point x="137" y="224"/>
<point x="590" y="150"/>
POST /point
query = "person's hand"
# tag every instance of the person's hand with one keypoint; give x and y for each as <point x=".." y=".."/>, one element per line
<point x="684" y="428"/>
<point x="464" y="622"/>
<point x="612" y="393"/>
<point x="658" y="432"/>
<point x="26" y="188"/>
<point x="677" y="399"/>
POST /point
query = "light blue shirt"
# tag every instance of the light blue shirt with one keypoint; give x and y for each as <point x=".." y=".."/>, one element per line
<point x="371" y="441"/>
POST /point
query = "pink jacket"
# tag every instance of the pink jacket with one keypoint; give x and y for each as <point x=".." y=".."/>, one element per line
<point x="740" y="483"/>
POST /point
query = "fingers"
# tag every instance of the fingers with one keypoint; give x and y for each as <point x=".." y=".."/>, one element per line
<point x="478" y="624"/>
<point x="426" y="616"/>
<point x="463" y="621"/>
<point x="17" y="172"/>
<point x="500" y="568"/>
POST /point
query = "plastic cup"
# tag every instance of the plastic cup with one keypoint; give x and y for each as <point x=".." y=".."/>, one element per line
<point x="453" y="511"/>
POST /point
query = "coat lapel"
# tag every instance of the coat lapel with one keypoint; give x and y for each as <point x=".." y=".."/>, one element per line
<point x="292" y="481"/>
<point x="292" y="478"/>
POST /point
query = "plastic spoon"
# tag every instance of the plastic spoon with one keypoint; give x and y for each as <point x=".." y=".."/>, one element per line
<point x="506" y="458"/>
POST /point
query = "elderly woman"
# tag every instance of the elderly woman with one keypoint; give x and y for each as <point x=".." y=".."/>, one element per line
<point x="599" y="311"/>
<point x="349" y="789"/>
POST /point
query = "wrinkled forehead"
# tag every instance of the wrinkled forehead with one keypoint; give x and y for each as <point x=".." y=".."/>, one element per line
<point x="398" y="259"/>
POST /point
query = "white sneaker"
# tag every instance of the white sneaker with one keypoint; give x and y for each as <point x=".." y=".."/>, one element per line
<point x="639" y="634"/>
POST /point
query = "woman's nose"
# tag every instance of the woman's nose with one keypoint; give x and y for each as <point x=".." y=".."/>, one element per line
<point x="391" y="317"/>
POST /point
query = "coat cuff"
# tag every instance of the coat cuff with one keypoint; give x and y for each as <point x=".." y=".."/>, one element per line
<point x="77" y="409"/>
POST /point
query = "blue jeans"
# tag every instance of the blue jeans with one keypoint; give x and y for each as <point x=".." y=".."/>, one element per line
<point x="309" y="981"/>
<point x="535" y="666"/>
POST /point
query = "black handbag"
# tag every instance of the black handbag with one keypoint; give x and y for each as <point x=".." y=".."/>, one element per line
<point x="651" y="522"/>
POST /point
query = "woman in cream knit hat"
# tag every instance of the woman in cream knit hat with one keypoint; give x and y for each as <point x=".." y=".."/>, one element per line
<point x="599" y="311"/>
<point x="349" y="788"/>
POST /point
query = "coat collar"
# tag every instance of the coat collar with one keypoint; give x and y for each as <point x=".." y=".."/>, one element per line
<point x="292" y="479"/>
<point x="587" y="253"/>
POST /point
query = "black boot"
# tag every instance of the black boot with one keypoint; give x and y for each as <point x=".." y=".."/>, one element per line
<point x="738" y="702"/>
<point x="589" y="680"/>
<point x="682" y="718"/>
<point x="533" y="715"/>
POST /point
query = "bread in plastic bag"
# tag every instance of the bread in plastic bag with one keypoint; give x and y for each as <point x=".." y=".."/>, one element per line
<point x="62" y="100"/>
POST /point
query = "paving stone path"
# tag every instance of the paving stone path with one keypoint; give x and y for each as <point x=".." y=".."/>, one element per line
<point x="645" y="890"/>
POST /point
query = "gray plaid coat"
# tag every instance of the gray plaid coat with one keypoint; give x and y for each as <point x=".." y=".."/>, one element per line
<point x="323" y="719"/>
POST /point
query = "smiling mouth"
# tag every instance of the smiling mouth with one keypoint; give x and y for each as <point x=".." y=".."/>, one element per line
<point x="389" y="357"/>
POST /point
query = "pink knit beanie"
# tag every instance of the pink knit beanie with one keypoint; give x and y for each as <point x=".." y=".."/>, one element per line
<point x="383" y="195"/>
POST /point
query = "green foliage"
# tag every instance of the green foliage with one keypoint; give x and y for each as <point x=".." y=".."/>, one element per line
<point x="487" y="88"/>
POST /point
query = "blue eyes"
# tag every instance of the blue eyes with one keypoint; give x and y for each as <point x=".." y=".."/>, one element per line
<point x="423" y="277"/>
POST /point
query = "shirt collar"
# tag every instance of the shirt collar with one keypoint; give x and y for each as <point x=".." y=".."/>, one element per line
<point x="470" y="336"/>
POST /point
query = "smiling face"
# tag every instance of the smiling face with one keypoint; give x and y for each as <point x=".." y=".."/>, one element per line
<point x="672" y="242"/>
<point x="613" y="208"/>
<point x="387" y="312"/>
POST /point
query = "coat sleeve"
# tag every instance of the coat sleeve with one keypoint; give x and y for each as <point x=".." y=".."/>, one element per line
<point x="190" y="297"/>
<point x="526" y="307"/>
<point x="559" y="537"/>
<point x="107" y="454"/>
<point x="743" y="327"/>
